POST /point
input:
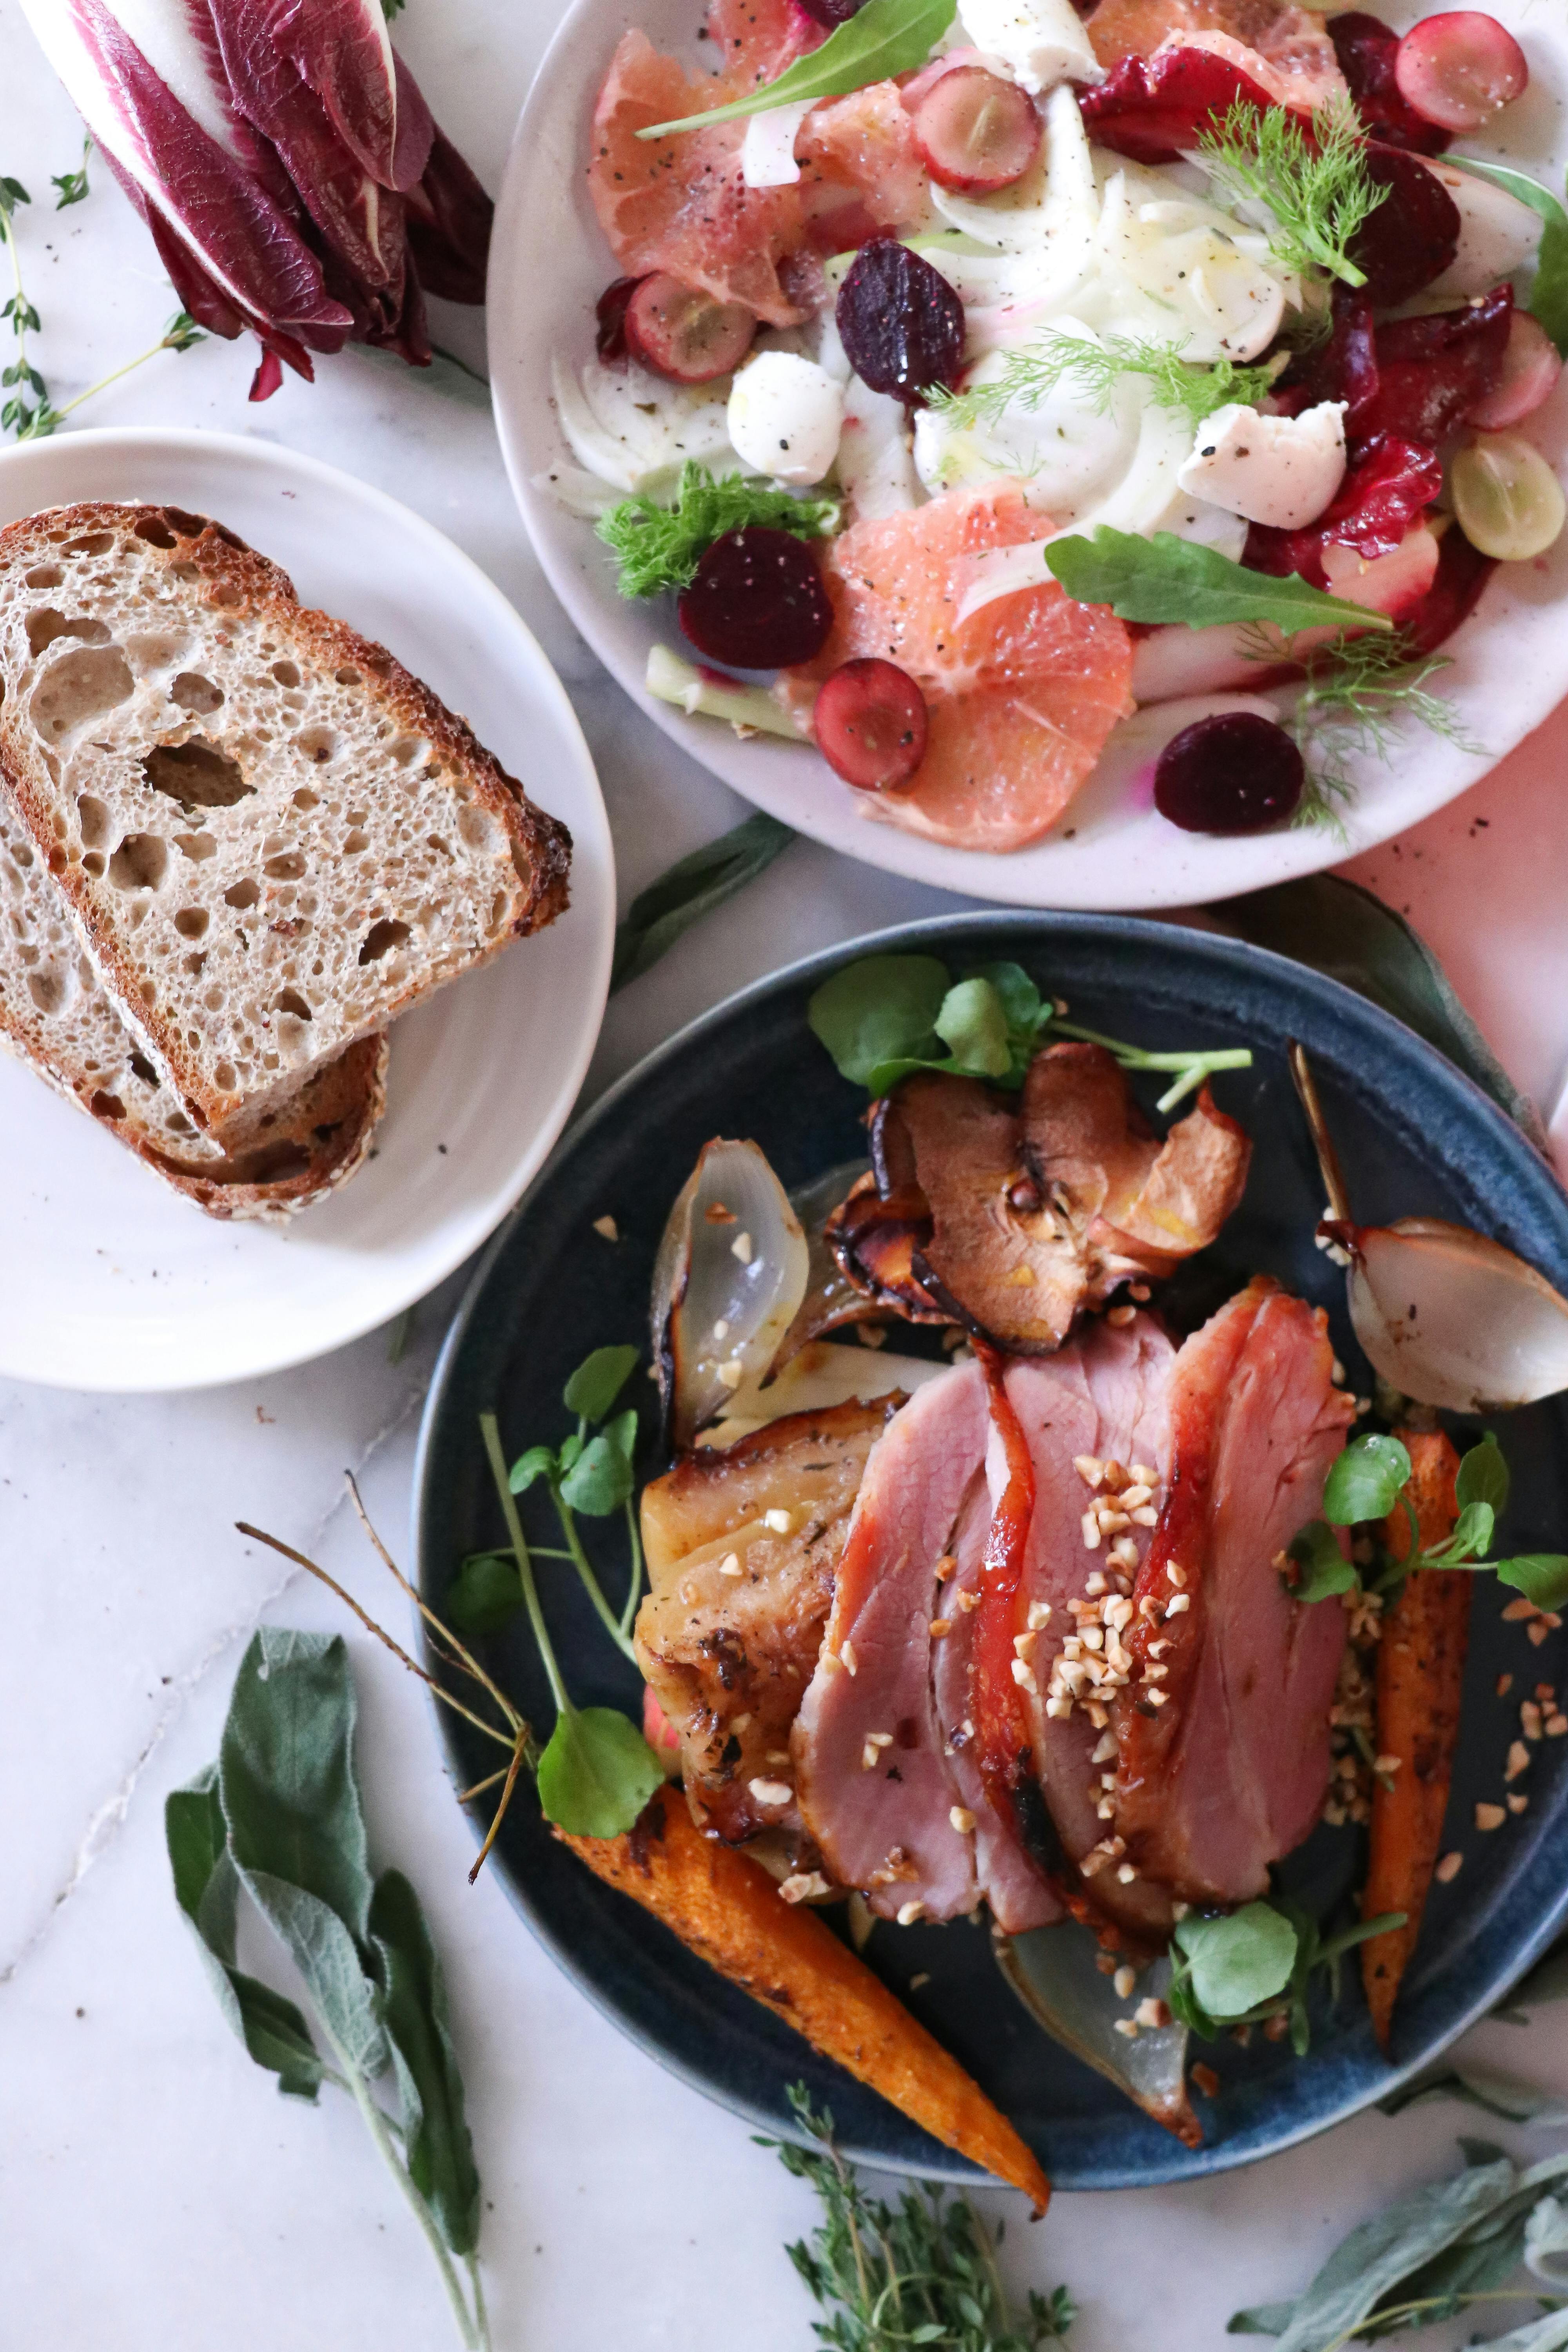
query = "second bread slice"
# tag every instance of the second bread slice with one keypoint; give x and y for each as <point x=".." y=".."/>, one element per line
<point x="272" y="838"/>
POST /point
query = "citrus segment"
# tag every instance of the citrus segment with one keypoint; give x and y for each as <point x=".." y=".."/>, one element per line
<point x="1291" y="45"/>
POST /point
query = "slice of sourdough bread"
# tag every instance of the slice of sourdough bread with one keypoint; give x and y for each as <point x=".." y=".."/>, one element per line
<point x="55" y="1014"/>
<point x="272" y="838"/>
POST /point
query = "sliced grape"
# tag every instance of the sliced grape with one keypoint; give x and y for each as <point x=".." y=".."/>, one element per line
<point x="1531" y="367"/>
<point x="1368" y="52"/>
<point x="1234" y="773"/>
<point x="976" y="133"/>
<point x="1509" y="502"/>
<point x="684" y="334"/>
<point x="610" y="319"/>
<point x="900" y="320"/>
<point x="1459" y="70"/>
<point x="757" y="602"/>
<point x="870" y="724"/>
<point x="1413" y="235"/>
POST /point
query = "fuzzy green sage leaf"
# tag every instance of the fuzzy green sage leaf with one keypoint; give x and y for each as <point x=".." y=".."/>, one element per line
<point x="596" y="1774"/>
<point x="437" y="2149"/>
<point x="1166" y="580"/>
<point x="884" y="38"/>
<point x="693" y="886"/>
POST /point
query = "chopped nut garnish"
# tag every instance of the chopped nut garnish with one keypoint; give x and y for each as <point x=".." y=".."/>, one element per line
<point x="731" y="1564"/>
<point x="1204" y="2079"/>
<point x="1504" y="1684"/>
<point x="870" y="1335"/>
<point x="1136" y="1494"/>
<point x="1126" y="1982"/>
<point x="1090" y="1532"/>
<point x="1178" y="1603"/>
<point x="741" y="1247"/>
<point x="732" y="1373"/>
<point x="967" y="1601"/>
<point x="1039" y="1614"/>
<point x="772" y="1792"/>
<point x="1518" y="1611"/>
<point x="1448" y="1869"/>
<point x="1490" y="1817"/>
<point x="962" y="1820"/>
<point x="1386" y="1763"/>
<point x="1516" y="1804"/>
<point x="1175" y="1573"/>
<point x="847" y="1654"/>
<point x="1106" y="1751"/>
<point x="944" y="1567"/>
<point x="803" y="1885"/>
<point x="1126" y="1874"/>
<point x="1555" y="1726"/>
<point x="1088" y="1468"/>
<point x="779" y="1522"/>
<point x="910" y="1912"/>
<point x="608" y="1228"/>
<point x="1153" y="2012"/>
<point x="1114" y="1477"/>
<point x="1119" y="1316"/>
<point x="1024" y="1675"/>
<point x="1518" y="1761"/>
<point x="940" y="1627"/>
<point x="1157" y="1698"/>
<point x="1126" y="2026"/>
<point x="1529" y="1718"/>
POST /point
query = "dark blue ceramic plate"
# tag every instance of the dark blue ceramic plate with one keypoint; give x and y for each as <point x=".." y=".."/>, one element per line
<point x="1415" y="1136"/>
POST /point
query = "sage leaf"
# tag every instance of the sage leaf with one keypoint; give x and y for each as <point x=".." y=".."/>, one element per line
<point x="1171" y="580"/>
<point x="1369" y="2267"/>
<point x="1366" y="1481"/>
<point x="1507" y="2096"/>
<point x="1547" y="2334"/>
<point x="884" y="38"/>
<point x="598" y="1381"/>
<point x="1238" y="1961"/>
<point x="1483" y="1476"/>
<point x="207" y="1887"/>
<point x="437" y="2149"/>
<point x="1540" y="1576"/>
<point x="1546" y="2243"/>
<point x="1336" y="928"/>
<point x="973" y="1025"/>
<point x="1324" y="1570"/>
<point x="694" y="886"/>
<point x="597" y="1773"/>
<point x="486" y="1594"/>
<point x="600" y="1479"/>
<point x="1548" y="289"/>
<point x="879" y="1009"/>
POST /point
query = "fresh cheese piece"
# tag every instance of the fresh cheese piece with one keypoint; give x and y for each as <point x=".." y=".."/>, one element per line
<point x="1041" y="42"/>
<point x="767" y="151"/>
<point x="786" y="415"/>
<point x="1281" y="471"/>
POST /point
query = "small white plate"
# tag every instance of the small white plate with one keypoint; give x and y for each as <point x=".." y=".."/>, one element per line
<point x="109" y="1281"/>
<point x="549" y="263"/>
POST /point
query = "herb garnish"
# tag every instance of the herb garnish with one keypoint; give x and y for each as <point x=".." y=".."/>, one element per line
<point x="280" y="1820"/>
<point x="1368" y="1481"/>
<point x="1358" y="688"/>
<point x="1315" y="187"/>
<point x="1166" y="579"/>
<point x="658" y="547"/>
<point x="1255" y="1964"/>
<point x="921" y="2273"/>
<point x="694" y="886"/>
<point x="883" y="39"/>
<point x="1033" y="372"/>
<point x="883" y="1017"/>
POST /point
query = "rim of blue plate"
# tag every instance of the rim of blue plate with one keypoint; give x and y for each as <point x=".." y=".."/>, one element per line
<point x="1542" y="1202"/>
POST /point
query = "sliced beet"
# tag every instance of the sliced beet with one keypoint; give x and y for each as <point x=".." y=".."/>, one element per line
<point x="1413" y="235"/>
<point x="610" y="319"/>
<point x="1457" y="71"/>
<point x="900" y="320"/>
<point x="1433" y="371"/>
<point x="684" y="334"/>
<point x="1462" y="574"/>
<point x="1391" y="484"/>
<point x="831" y="13"/>
<point x="870" y="724"/>
<point x="1366" y="50"/>
<point x="757" y="602"/>
<point x="976" y="133"/>
<point x="1157" y="109"/>
<point x="1343" y="368"/>
<point x="1232" y="772"/>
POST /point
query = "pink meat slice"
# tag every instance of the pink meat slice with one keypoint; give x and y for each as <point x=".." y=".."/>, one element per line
<point x="1230" y="1773"/>
<point x="1106" y="1395"/>
<point x="887" y="1829"/>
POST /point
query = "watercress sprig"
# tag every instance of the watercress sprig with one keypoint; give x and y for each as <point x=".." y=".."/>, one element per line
<point x="1031" y="374"/>
<point x="1369" y="1482"/>
<point x="657" y="547"/>
<point x="1257" y="1963"/>
<point x="883" y="39"/>
<point x="884" y="1016"/>
<point x="1315" y="187"/>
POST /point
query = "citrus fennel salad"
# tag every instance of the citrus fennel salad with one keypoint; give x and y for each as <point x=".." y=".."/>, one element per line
<point x="981" y="378"/>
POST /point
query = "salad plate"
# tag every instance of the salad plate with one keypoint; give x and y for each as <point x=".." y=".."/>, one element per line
<point x="1111" y="848"/>
<point x="572" y="1272"/>
<point x="112" y="1283"/>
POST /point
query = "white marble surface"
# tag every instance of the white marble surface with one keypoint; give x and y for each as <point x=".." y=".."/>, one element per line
<point x="155" y="2190"/>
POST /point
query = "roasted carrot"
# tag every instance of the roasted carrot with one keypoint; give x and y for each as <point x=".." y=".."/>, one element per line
<point x="1420" y="1678"/>
<point x="726" y="1908"/>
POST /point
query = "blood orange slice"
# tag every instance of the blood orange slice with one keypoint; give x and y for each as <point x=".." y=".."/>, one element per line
<point x="1289" y="44"/>
<point x="1021" y="695"/>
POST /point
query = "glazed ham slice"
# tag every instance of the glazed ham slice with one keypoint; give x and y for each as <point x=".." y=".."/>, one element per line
<point x="1229" y="1774"/>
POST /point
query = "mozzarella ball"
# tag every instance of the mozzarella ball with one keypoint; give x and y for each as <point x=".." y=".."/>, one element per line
<point x="786" y="415"/>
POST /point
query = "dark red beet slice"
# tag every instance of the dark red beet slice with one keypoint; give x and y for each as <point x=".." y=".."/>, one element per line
<point x="1433" y="371"/>
<point x="870" y="724"/>
<point x="1391" y="483"/>
<point x="1460" y="69"/>
<point x="1413" y="235"/>
<point x="900" y="320"/>
<point x="1462" y="574"/>
<point x="757" y="602"/>
<point x="831" y="12"/>
<point x="1344" y="368"/>
<point x="1236" y="772"/>
<point x="976" y="133"/>
<point x="610" y="318"/>
<point x="684" y="334"/>
<point x="1157" y="109"/>
<point x="1366" y="51"/>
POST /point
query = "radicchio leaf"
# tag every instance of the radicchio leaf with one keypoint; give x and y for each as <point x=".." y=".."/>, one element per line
<point x="1157" y="109"/>
<point x="1432" y="371"/>
<point x="1391" y="483"/>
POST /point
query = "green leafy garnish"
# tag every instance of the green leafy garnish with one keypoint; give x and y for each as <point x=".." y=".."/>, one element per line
<point x="1549" y="288"/>
<point x="658" y="547"/>
<point x="1358" y="689"/>
<point x="72" y="185"/>
<point x="1166" y="579"/>
<point x="1033" y="372"/>
<point x="921" y="2273"/>
<point x="279" y="1820"/>
<point x="693" y="886"/>
<point x="1370" y="1481"/>
<point x="884" y="1016"/>
<point x="1316" y="190"/>
<point x="884" y="38"/>
<point x="1257" y="1963"/>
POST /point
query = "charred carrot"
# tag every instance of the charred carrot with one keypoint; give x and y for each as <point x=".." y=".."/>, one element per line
<point x="726" y="1908"/>
<point x="1420" y="1678"/>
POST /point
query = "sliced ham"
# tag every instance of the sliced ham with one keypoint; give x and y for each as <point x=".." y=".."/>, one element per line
<point x="1229" y="1772"/>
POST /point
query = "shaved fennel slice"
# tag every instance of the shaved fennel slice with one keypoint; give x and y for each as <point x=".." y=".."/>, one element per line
<point x="634" y="430"/>
<point x="875" y="470"/>
<point x="580" y="493"/>
<point x="751" y="709"/>
<point x="1170" y="266"/>
<point x="1055" y="204"/>
<point x="767" y="151"/>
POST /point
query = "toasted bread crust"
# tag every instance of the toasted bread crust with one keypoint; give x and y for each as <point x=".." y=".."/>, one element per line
<point x="220" y="577"/>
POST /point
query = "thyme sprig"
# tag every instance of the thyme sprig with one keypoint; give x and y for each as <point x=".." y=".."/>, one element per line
<point x="1031" y="374"/>
<point x="1315" y="187"/>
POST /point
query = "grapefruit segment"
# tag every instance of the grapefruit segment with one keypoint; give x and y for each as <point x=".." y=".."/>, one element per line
<point x="1290" y="44"/>
<point x="859" y="168"/>
<point x="1021" y="695"/>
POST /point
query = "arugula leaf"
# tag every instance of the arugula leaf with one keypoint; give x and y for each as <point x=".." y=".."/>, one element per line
<point x="1316" y="187"/>
<point x="1238" y="1961"/>
<point x="437" y="2149"/>
<point x="596" y="1774"/>
<point x="1170" y="580"/>
<point x="1032" y="373"/>
<point x="486" y="1594"/>
<point x="1366" y="1481"/>
<point x="1540" y="1576"/>
<point x="1483" y="1476"/>
<point x="884" y="38"/>
<point x="694" y="886"/>
<point x="1548" y="289"/>
<point x="1324" y="1570"/>
<point x="658" y="547"/>
<point x="598" y="1381"/>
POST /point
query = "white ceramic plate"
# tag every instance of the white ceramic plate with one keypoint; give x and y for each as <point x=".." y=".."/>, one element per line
<point x="549" y="263"/>
<point x="108" y="1280"/>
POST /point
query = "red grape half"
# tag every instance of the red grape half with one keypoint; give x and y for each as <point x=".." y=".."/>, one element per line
<point x="684" y="334"/>
<point x="871" y="723"/>
<point x="976" y="133"/>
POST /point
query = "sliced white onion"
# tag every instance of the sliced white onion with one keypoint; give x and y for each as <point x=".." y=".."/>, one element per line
<point x="1452" y="1319"/>
<point x="731" y="1274"/>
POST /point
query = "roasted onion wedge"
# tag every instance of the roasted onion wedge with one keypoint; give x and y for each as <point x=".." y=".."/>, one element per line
<point x="730" y="1276"/>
